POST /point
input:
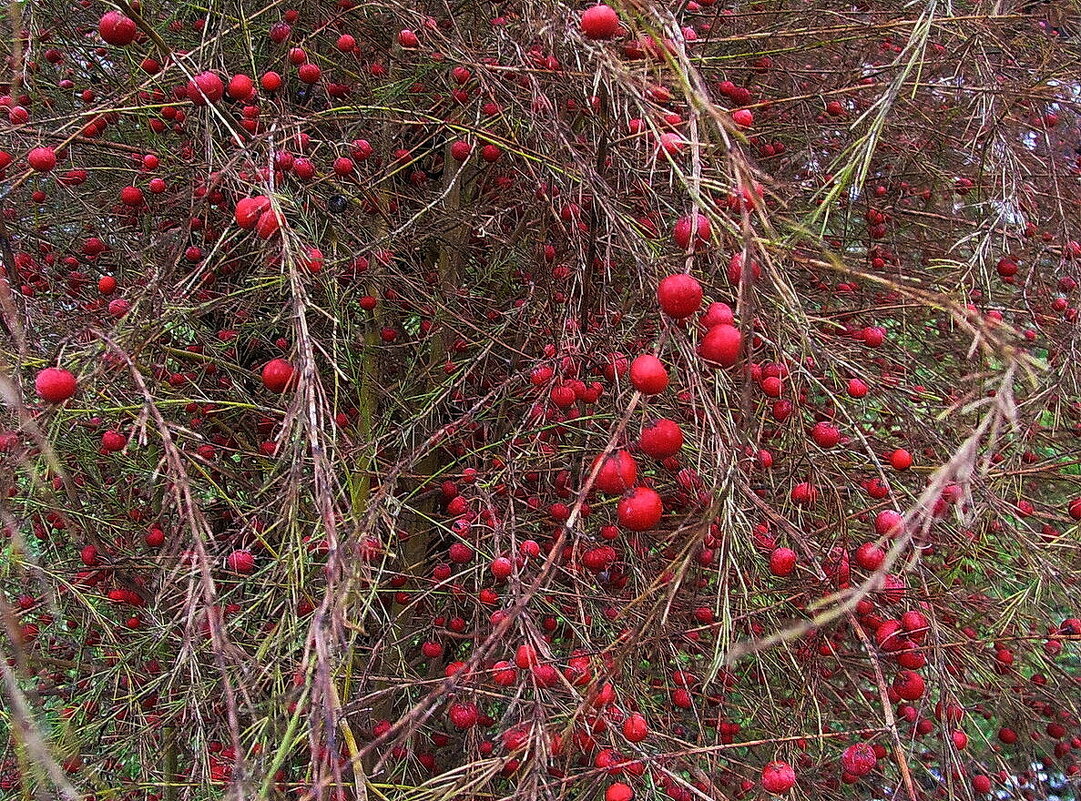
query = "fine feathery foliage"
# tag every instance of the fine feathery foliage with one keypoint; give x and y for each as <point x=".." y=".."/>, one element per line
<point x="529" y="400"/>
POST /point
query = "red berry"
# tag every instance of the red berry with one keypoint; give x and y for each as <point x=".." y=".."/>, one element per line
<point x="699" y="227"/>
<point x="55" y="384"/>
<point x="782" y="561"/>
<point x="721" y="345"/>
<point x="778" y="777"/>
<point x="856" y="388"/>
<point x="270" y="81"/>
<point x="869" y="556"/>
<point x="641" y="510"/>
<point x="679" y="295"/>
<point x="717" y="314"/>
<point x="743" y="118"/>
<point x="241" y="561"/>
<point x="909" y="685"/>
<point x="241" y="87"/>
<point x="825" y="435"/>
<point x="113" y="441"/>
<point x="858" y="759"/>
<point x="648" y="375"/>
<point x="116" y="29"/>
<point x="889" y="523"/>
<point x="41" y="159"/>
<point x="249" y="209"/>
<point x="131" y="196"/>
<point x="617" y="474"/>
<point x="901" y="459"/>
<point x="277" y="375"/>
<point x="661" y="439"/>
<point x="460" y="150"/>
<point x="206" y="87"/>
<point x="635" y="727"/>
<point x="463" y="715"/>
<point x="804" y="493"/>
<point x="600" y="22"/>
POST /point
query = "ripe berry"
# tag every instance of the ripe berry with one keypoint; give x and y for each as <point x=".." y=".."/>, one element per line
<point x="661" y="439"/>
<point x="600" y="22"/>
<point x="717" y="314"/>
<point x="249" y="209"/>
<point x="641" y="510"/>
<point x="277" y="375"/>
<point x="685" y="227"/>
<point x="858" y="759"/>
<point x="909" y="685"/>
<point x="131" y="196"/>
<point x="804" y="493"/>
<point x="743" y="118"/>
<point x="617" y="474"/>
<point x="782" y="561"/>
<point x="869" y="556"/>
<point x="825" y="435"/>
<point x="206" y="87"/>
<point x="635" y="727"/>
<point x="778" y="777"/>
<point x="679" y="295"/>
<point x="270" y="81"/>
<point x="241" y="561"/>
<point x="856" y="388"/>
<point x="241" y="87"/>
<point x="721" y="345"/>
<point x="116" y="29"/>
<point x="55" y="385"/>
<point x="113" y="441"/>
<point x="648" y="375"/>
<point x="463" y="716"/>
<point x="460" y="150"/>
<point x="901" y="459"/>
<point x="889" y="523"/>
<point x="41" y="159"/>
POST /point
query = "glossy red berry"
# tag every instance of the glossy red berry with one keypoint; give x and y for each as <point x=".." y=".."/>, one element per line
<point x="641" y="510"/>
<point x="778" y="777"/>
<point x="41" y="159"/>
<point x="635" y="727"/>
<point x="782" y="561"/>
<point x="55" y="385"/>
<point x="241" y="561"/>
<point x="721" y="345"/>
<point x="277" y="375"/>
<point x="648" y="374"/>
<point x="858" y="759"/>
<point x="661" y="438"/>
<point x="679" y="295"/>
<point x="618" y="473"/>
<point x="116" y="28"/>
<point x="600" y="22"/>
